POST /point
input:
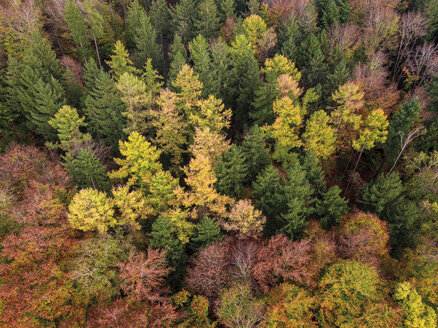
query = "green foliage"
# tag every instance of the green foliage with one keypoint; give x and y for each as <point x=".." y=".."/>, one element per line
<point x="255" y="153"/>
<point x="78" y="29"/>
<point x="378" y="194"/>
<point x="207" y="231"/>
<point x="183" y="14"/>
<point x="331" y="12"/>
<point x="207" y="22"/>
<point x="314" y="173"/>
<point x="103" y="110"/>
<point x="86" y="170"/>
<point x="331" y="207"/>
<point x="120" y="62"/>
<point x="231" y="172"/>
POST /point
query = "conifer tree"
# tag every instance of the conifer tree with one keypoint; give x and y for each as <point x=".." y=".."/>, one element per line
<point x="255" y="153"/>
<point x="231" y="172"/>
<point x="95" y="20"/>
<point x="86" y="170"/>
<point x="140" y="162"/>
<point x="331" y="207"/>
<point x="290" y="38"/>
<point x="207" y="231"/>
<point x="160" y="19"/>
<point x="314" y="173"/>
<point x="245" y="76"/>
<point x="120" y="62"/>
<point x="133" y="94"/>
<point x="145" y="37"/>
<point x="207" y="22"/>
<point x="298" y="194"/>
<point x="103" y="109"/>
<point x="227" y="9"/>
<point x="75" y="21"/>
<point x="183" y="14"/>
<point x="133" y="16"/>
<point x="177" y="56"/>
<point x="203" y="66"/>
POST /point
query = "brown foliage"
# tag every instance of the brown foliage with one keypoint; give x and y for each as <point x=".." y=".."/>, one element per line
<point x="74" y="67"/>
<point x="283" y="260"/>
<point x="243" y="257"/>
<point x="144" y="278"/>
<point x="208" y="272"/>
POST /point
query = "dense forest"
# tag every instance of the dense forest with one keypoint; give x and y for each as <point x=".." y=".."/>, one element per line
<point x="218" y="163"/>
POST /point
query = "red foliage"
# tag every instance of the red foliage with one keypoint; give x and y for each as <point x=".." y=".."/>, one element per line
<point x="74" y="67"/>
<point x="144" y="278"/>
<point x="124" y="314"/>
<point x="243" y="257"/>
<point x="208" y="272"/>
<point x="283" y="260"/>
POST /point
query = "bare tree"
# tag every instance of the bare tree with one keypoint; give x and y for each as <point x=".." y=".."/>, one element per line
<point x="422" y="62"/>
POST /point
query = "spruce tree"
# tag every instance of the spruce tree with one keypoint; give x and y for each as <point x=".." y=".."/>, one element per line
<point x="231" y="172"/>
<point x="86" y="170"/>
<point x="160" y="19"/>
<point x="183" y="14"/>
<point x="331" y="207"/>
<point x="314" y="173"/>
<point x="221" y="63"/>
<point x="298" y="193"/>
<point x="227" y="9"/>
<point x="203" y="66"/>
<point x="145" y="37"/>
<point x="207" y="231"/>
<point x="120" y="62"/>
<point x="207" y="22"/>
<point x="75" y="21"/>
<point x="133" y="16"/>
<point x="255" y="153"/>
<point x="290" y="37"/>
<point x="103" y="109"/>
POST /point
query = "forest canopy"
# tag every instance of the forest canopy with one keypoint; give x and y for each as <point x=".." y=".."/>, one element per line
<point x="219" y="163"/>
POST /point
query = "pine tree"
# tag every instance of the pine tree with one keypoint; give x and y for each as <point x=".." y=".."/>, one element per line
<point x="328" y="13"/>
<point x="160" y="19"/>
<point x="86" y="170"/>
<point x="232" y="173"/>
<point x="145" y="37"/>
<point x="133" y="17"/>
<point x="290" y="38"/>
<point x="331" y="207"/>
<point x="133" y="94"/>
<point x="207" y="22"/>
<point x="255" y="153"/>
<point x="221" y="61"/>
<point x="120" y="62"/>
<point x="177" y="56"/>
<point x="103" y="109"/>
<point x="228" y="9"/>
<point x="314" y="173"/>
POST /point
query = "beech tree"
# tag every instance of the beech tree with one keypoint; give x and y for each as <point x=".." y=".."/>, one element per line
<point x="244" y="219"/>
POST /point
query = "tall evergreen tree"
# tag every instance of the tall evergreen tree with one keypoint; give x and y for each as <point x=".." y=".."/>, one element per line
<point x="255" y="153"/>
<point x="331" y="207"/>
<point x="75" y="21"/>
<point x="103" y="109"/>
<point x="231" y="172"/>
<point x="207" y="22"/>
<point x="183" y="14"/>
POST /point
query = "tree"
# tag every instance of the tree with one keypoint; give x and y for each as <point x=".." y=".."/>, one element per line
<point x="269" y="197"/>
<point x="86" y="170"/>
<point x="91" y="210"/>
<point x="254" y="150"/>
<point x="171" y="129"/>
<point x="363" y="237"/>
<point x="67" y="123"/>
<point x="207" y="231"/>
<point x="207" y="22"/>
<point x="354" y="300"/>
<point x="140" y="163"/>
<point x="95" y="268"/>
<point x="160" y="19"/>
<point x="211" y="115"/>
<point x="131" y="207"/>
<point x="197" y="310"/>
<point x="332" y="12"/>
<point x="143" y="277"/>
<point x="298" y="194"/>
<point x="374" y="131"/>
<point x="203" y="65"/>
<point x="188" y="89"/>
<point x="376" y="196"/>
<point x="210" y="144"/>
<point x="283" y="260"/>
<point x="96" y="23"/>
<point x="238" y="308"/>
<point x="183" y="19"/>
<point x="244" y="219"/>
<point x="289" y="306"/>
<point x="78" y="29"/>
<point x="120" y="62"/>
<point x="319" y="136"/>
<point x="231" y="172"/>
<point x="103" y="109"/>
<point x="208" y="270"/>
<point x="416" y="313"/>
<point x="133" y="16"/>
<point x="244" y="76"/>
<point x="314" y="173"/>
<point x="331" y="207"/>
<point x="177" y="57"/>
<point x="133" y="94"/>
<point x="145" y="37"/>
<point x="227" y="9"/>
